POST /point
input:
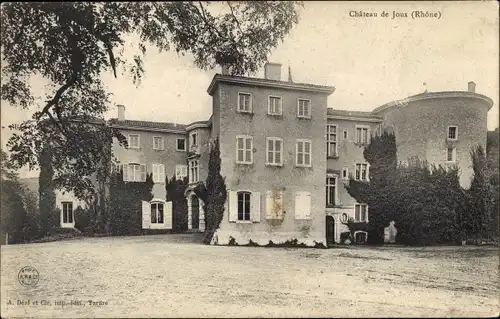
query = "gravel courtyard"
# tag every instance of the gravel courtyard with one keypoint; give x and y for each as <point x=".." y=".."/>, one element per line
<point x="172" y="276"/>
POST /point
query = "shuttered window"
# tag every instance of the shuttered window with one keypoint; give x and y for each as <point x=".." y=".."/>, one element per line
<point x="303" y="205"/>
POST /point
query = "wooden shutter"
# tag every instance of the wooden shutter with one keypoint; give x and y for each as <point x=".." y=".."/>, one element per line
<point x="146" y="215"/>
<point x="125" y="172"/>
<point x="233" y="206"/>
<point x="278" y="206"/>
<point x="143" y="172"/>
<point x="269" y="205"/>
<point x="255" y="209"/>
<point x="167" y="215"/>
<point x="299" y="205"/>
<point x="274" y="204"/>
<point x="162" y="173"/>
<point x="306" y="205"/>
<point x="155" y="173"/>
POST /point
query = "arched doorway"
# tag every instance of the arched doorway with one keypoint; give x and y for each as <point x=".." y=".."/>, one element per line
<point x="330" y="230"/>
<point x="195" y="212"/>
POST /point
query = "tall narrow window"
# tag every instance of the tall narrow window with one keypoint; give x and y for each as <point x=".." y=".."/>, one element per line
<point x="331" y="140"/>
<point x="451" y="154"/>
<point x="361" y="212"/>
<point x="181" y="144"/>
<point x="67" y="210"/>
<point x="452" y="132"/>
<point x="158" y="173"/>
<point x="274" y="105"/>
<point x="194" y="173"/>
<point x="345" y="134"/>
<point x="157" y="213"/>
<point x="244" y="205"/>
<point x="345" y="173"/>
<point x="244" y="102"/>
<point x="331" y="190"/>
<point x="361" y="172"/>
<point x="303" y="108"/>
<point x="244" y="149"/>
<point x="303" y="152"/>
<point x="274" y="151"/>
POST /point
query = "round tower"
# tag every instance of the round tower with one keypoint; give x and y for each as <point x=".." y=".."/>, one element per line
<point x="440" y="127"/>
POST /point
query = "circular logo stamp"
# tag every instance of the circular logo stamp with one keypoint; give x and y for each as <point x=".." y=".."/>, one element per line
<point x="28" y="276"/>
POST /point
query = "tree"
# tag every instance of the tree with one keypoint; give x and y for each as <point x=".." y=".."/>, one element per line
<point x="18" y="206"/>
<point x="125" y="209"/>
<point x="492" y="154"/>
<point x="72" y="44"/>
<point x="480" y="203"/>
<point x="175" y="189"/>
<point x="216" y="194"/>
<point x="378" y="192"/>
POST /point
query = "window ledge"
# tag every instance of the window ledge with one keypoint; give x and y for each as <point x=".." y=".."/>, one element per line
<point x="180" y="150"/>
<point x="303" y="166"/>
<point x="243" y="163"/>
<point x="157" y="226"/>
<point x="67" y="225"/>
<point x="333" y="157"/>
<point x="244" y="222"/>
<point x="274" y="165"/>
<point x="275" y="115"/>
<point x="244" y="112"/>
<point x="303" y="117"/>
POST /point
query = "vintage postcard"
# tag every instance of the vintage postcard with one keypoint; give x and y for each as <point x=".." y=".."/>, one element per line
<point x="249" y="159"/>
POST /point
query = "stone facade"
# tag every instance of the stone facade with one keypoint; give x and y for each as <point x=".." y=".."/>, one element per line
<point x="281" y="200"/>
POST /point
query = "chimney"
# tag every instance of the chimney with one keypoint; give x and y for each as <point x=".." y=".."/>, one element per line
<point x="272" y="71"/>
<point x="472" y="87"/>
<point x="121" y="112"/>
<point x="225" y="69"/>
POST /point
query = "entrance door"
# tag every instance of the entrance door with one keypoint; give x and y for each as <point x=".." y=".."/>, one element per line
<point x="195" y="212"/>
<point x="330" y="230"/>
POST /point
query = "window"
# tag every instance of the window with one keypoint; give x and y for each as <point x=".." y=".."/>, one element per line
<point x="133" y="141"/>
<point x="181" y="144"/>
<point x="274" y="105"/>
<point x="362" y="134"/>
<point x="158" y="143"/>
<point x="303" y="148"/>
<point x="331" y="190"/>
<point x="331" y="140"/>
<point x="181" y="172"/>
<point x="345" y="134"/>
<point x="345" y="173"/>
<point x="245" y="102"/>
<point x="67" y="213"/>
<point x="303" y="108"/>
<point x="158" y="173"/>
<point x="134" y="172"/>
<point x="452" y="132"/>
<point x="194" y="138"/>
<point x="194" y="173"/>
<point x="244" y="205"/>
<point x="274" y="151"/>
<point x="244" y="149"/>
<point x="157" y="213"/>
<point x="361" y="172"/>
<point x="451" y="154"/>
<point x="361" y="213"/>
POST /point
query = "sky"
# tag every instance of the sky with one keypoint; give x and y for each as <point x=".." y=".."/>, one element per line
<point x="369" y="60"/>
